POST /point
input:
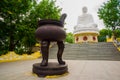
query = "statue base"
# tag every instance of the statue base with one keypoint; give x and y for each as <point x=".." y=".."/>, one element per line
<point x="51" y="69"/>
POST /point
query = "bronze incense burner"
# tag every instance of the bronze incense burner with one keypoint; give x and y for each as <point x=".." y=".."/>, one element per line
<point x="51" y="30"/>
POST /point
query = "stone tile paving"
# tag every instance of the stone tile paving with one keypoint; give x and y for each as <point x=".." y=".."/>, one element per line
<point x="78" y="70"/>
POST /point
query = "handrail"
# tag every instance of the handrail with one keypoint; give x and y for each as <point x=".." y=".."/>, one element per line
<point x="117" y="44"/>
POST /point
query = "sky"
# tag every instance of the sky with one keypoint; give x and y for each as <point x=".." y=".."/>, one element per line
<point x="73" y="9"/>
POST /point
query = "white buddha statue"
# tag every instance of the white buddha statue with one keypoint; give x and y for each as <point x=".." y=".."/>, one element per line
<point x="85" y="20"/>
<point x="85" y="30"/>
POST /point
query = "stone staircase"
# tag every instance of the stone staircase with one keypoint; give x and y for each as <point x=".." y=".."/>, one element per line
<point x="88" y="51"/>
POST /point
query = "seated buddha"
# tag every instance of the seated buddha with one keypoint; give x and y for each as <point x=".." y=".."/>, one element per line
<point x="85" y="20"/>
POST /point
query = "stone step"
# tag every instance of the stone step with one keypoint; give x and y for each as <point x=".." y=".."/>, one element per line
<point x="88" y="51"/>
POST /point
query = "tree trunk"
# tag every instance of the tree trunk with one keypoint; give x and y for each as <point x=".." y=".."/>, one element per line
<point x="11" y="44"/>
<point x="114" y="33"/>
<point x="30" y="50"/>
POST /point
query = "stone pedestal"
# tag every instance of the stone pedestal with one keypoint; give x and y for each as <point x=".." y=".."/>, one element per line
<point x="52" y="69"/>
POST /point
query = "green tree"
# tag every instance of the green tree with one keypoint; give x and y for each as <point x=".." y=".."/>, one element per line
<point x="69" y="38"/>
<point x="110" y="14"/>
<point x="18" y="20"/>
<point x="103" y="34"/>
<point x="106" y="32"/>
<point x="117" y="33"/>
<point x="48" y="10"/>
<point x="12" y="14"/>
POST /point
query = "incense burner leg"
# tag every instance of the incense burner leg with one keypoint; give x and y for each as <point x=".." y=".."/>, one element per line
<point x="45" y="52"/>
<point x="60" y="52"/>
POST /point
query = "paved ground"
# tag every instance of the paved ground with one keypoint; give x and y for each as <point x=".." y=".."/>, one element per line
<point x="100" y="61"/>
<point x="78" y="70"/>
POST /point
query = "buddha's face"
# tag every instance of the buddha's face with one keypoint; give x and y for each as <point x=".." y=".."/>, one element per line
<point x="84" y="9"/>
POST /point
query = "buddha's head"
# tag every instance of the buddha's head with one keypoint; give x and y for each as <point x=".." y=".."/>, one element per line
<point x="84" y="9"/>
